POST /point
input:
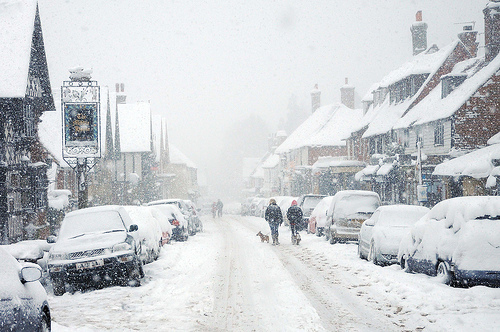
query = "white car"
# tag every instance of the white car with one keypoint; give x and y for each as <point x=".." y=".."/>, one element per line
<point x="23" y="300"/>
<point x="317" y="221"/>
<point x="183" y="207"/>
<point x="149" y="232"/>
<point x="347" y="212"/>
<point x="380" y="235"/>
<point x="95" y="247"/>
<point x="163" y="221"/>
<point x="458" y="241"/>
<point x="176" y="219"/>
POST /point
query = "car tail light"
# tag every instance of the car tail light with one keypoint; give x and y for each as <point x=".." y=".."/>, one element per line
<point x="175" y="222"/>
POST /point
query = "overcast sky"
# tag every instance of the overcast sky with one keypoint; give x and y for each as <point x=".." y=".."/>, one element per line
<point x="206" y="64"/>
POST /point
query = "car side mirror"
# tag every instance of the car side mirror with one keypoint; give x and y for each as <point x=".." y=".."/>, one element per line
<point x="30" y="273"/>
<point x="51" y="239"/>
<point x="133" y="228"/>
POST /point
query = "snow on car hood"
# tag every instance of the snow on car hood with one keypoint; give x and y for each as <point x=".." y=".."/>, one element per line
<point x="89" y="241"/>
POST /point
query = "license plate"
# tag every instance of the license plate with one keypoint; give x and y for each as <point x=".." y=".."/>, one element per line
<point x="90" y="264"/>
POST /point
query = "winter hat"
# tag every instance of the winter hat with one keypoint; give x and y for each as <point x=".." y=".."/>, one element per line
<point x="294" y="202"/>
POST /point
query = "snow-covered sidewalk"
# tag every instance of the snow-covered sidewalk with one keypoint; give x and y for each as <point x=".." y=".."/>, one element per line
<point x="225" y="279"/>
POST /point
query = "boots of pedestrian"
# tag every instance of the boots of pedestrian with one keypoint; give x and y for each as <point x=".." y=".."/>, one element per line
<point x="274" y="240"/>
<point x="277" y="242"/>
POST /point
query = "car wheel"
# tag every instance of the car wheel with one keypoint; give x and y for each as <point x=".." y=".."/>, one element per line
<point x="58" y="287"/>
<point x="372" y="254"/>
<point x="444" y="274"/>
<point x="45" y="323"/>
<point x="360" y="255"/>
<point x="333" y="238"/>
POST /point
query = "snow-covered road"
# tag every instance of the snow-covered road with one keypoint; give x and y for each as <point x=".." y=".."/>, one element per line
<point x="225" y="279"/>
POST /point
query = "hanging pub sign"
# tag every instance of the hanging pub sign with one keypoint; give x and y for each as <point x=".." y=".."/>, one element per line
<point x="80" y="108"/>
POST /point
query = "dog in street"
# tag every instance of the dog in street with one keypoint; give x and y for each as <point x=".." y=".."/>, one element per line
<point x="296" y="239"/>
<point x="263" y="237"/>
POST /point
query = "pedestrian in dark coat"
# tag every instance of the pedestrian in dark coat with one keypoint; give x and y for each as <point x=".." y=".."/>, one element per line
<point x="294" y="215"/>
<point x="274" y="217"/>
<point x="219" y="208"/>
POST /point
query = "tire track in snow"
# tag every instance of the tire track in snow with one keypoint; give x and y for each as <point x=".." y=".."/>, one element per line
<point x="233" y="302"/>
<point x="338" y="308"/>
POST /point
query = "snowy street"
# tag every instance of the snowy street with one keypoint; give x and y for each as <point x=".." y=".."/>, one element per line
<point x="225" y="279"/>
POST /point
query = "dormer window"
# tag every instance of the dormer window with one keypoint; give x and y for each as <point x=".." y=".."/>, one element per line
<point x="450" y="83"/>
<point x="406" y="87"/>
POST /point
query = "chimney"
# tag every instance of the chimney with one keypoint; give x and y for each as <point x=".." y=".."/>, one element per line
<point x="347" y="94"/>
<point x="121" y="98"/>
<point x="468" y="38"/>
<point x="315" y="98"/>
<point x="419" y="34"/>
<point x="492" y="29"/>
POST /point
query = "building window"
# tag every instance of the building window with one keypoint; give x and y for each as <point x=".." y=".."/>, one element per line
<point x="419" y="137"/>
<point x="439" y="134"/>
<point x="406" y="138"/>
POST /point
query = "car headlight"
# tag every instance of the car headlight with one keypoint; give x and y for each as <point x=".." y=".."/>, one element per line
<point x="58" y="256"/>
<point x="124" y="246"/>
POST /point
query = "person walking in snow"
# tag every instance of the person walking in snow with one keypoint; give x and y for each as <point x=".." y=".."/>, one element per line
<point x="294" y="215"/>
<point x="214" y="209"/>
<point x="219" y="208"/>
<point x="274" y="217"/>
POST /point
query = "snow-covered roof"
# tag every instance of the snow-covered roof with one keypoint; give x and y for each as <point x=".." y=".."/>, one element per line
<point x="433" y="107"/>
<point x="383" y="117"/>
<point x="135" y="127"/>
<point x="17" y="18"/>
<point x="328" y="126"/>
<point x="495" y="139"/>
<point x="272" y="161"/>
<point x="366" y="172"/>
<point x="476" y="164"/>
<point x="258" y="173"/>
<point x="369" y="94"/>
<point x="177" y="157"/>
<point x="424" y="63"/>
<point x="249" y="165"/>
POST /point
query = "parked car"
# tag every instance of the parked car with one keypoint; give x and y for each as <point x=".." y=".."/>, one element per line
<point x="347" y="212"/>
<point x="194" y="215"/>
<point x="149" y="233"/>
<point x="284" y="203"/>
<point x="176" y="219"/>
<point x="32" y="251"/>
<point x="380" y="235"/>
<point x="261" y="206"/>
<point x="317" y="220"/>
<point x="95" y="247"/>
<point x="458" y="241"/>
<point x="164" y="222"/>
<point x="181" y="204"/>
<point x="246" y="206"/>
<point x="307" y="203"/>
<point x="23" y="300"/>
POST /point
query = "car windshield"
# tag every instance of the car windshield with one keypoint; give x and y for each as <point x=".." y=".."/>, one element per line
<point x="354" y="206"/>
<point x="399" y="217"/>
<point x="311" y="202"/>
<point x="95" y="222"/>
